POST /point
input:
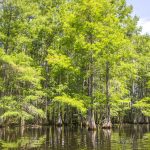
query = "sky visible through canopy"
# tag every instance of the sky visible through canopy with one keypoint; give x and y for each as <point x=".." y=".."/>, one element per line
<point x="142" y="9"/>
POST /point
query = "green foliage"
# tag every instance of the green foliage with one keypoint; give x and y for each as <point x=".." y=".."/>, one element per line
<point x="57" y="51"/>
<point x="73" y="102"/>
<point x="144" y="105"/>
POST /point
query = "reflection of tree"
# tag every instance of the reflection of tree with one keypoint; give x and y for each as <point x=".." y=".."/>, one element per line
<point x="106" y="138"/>
<point x="140" y="137"/>
<point x="107" y="134"/>
<point x="130" y="137"/>
<point x="92" y="138"/>
<point x="59" y="135"/>
<point x="123" y="138"/>
<point x="20" y="138"/>
<point x="23" y="143"/>
<point x="144" y="143"/>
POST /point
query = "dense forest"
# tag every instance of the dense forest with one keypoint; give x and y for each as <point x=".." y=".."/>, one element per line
<point x="72" y="62"/>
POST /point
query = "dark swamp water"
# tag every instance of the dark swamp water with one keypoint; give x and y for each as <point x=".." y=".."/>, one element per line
<point x="128" y="137"/>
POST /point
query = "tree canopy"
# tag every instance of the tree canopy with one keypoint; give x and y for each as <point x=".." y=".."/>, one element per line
<point x="76" y="61"/>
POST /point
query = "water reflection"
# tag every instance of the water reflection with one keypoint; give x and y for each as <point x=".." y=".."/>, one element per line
<point x="92" y="138"/>
<point x="127" y="137"/>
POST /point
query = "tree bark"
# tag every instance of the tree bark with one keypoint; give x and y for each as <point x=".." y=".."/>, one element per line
<point x="91" y="119"/>
<point x="59" y="122"/>
<point x="107" y="122"/>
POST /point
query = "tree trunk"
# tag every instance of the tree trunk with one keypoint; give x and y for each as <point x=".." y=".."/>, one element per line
<point x="91" y="119"/>
<point x="22" y="122"/>
<point x="59" y="122"/>
<point x="107" y="122"/>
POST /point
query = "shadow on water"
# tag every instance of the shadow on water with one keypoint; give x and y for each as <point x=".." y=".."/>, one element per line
<point x="127" y="137"/>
